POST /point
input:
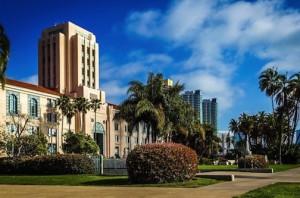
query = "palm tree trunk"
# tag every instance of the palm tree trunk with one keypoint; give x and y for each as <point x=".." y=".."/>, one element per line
<point x="69" y="124"/>
<point x="148" y="133"/>
<point x="82" y="123"/>
<point x="95" y="122"/>
<point x="62" y="131"/>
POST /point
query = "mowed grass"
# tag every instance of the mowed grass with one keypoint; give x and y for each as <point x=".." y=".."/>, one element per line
<point x="95" y="180"/>
<point x="282" y="190"/>
<point x="217" y="167"/>
<point x="276" y="167"/>
<point x="283" y="167"/>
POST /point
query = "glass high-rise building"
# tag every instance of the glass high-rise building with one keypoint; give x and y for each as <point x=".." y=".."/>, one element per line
<point x="195" y="99"/>
<point x="210" y="112"/>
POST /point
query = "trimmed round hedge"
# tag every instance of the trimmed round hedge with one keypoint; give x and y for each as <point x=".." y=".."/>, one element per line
<point x="161" y="163"/>
<point x="48" y="165"/>
<point x="253" y="161"/>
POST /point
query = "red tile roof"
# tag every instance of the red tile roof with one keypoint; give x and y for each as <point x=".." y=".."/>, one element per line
<point x="31" y="86"/>
<point x="114" y="105"/>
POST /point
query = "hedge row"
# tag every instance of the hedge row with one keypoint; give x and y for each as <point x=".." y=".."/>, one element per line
<point x="253" y="161"/>
<point x="161" y="163"/>
<point x="48" y="165"/>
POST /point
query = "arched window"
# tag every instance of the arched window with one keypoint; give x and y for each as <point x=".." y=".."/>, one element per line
<point x="33" y="107"/>
<point x="13" y="104"/>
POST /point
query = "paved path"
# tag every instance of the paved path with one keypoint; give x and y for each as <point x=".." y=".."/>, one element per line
<point x="243" y="182"/>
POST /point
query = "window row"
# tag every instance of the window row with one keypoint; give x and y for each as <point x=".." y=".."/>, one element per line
<point x="13" y="105"/>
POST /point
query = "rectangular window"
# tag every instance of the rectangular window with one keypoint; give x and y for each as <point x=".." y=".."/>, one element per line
<point x="136" y="140"/>
<point x="11" y="128"/>
<point x="33" y="129"/>
<point x="125" y="139"/>
<point x="52" y="148"/>
<point x="128" y="139"/>
<point x="117" y="152"/>
<point x="125" y="128"/>
<point x="49" y="117"/>
<point x="68" y="121"/>
<point x="116" y="138"/>
<point x="52" y="132"/>
<point x="116" y="126"/>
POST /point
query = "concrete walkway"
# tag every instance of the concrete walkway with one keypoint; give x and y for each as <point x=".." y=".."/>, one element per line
<point x="243" y="182"/>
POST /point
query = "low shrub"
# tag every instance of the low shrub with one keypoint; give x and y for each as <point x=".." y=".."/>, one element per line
<point x="253" y="161"/>
<point x="204" y="160"/>
<point x="48" y="165"/>
<point x="161" y="163"/>
<point x="10" y="165"/>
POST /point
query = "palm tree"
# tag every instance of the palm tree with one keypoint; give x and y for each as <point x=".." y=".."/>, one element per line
<point x="143" y="105"/>
<point x="81" y="106"/>
<point x="95" y="105"/>
<point x="234" y="127"/>
<point x="70" y="112"/>
<point x="246" y="125"/>
<point x="294" y="89"/>
<point x="62" y="103"/>
<point x="268" y="82"/>
<point x="4" y="54"/>
<point x="282" y="99"/>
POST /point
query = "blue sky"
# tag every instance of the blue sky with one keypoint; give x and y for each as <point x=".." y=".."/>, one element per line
<point x="219" y="47"/>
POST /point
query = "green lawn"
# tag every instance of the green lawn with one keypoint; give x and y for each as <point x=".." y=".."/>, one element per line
<point x="276" y="167"/>
<point x="217" y="167"/>
<point x="289" y="190"/>
<point x="94" y="180"/>
<point x="283" y="167"/>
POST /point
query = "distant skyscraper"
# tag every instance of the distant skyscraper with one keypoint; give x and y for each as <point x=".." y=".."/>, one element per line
<point x="210" y="112"/>
<point x="195" y="99"/>
<point x="297" y="135"/>
<point x="168" y="82"/>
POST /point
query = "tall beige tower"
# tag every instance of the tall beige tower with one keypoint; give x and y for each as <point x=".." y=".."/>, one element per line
<point x="69" y="61"/>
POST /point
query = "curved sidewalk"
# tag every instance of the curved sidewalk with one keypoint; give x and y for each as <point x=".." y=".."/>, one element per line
<point x="243" y="182"/>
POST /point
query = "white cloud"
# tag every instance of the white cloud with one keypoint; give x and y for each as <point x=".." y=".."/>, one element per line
<point x="139" y="65"/>
<point x="218" y="35"/>
<point x="31" y="79"/>
<point x="114" y="90"/>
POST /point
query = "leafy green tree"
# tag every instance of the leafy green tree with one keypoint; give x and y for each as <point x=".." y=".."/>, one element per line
<point x="80" y="143"/>
<point x="34" y="144"/>
<point x="18" y="124"/>
<point x="4" y="54"/>
<point x="284" y="91"/>
<point x="3" y="140"/>
<point x="268" y="82"/>
<point x="153" y="104"/>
